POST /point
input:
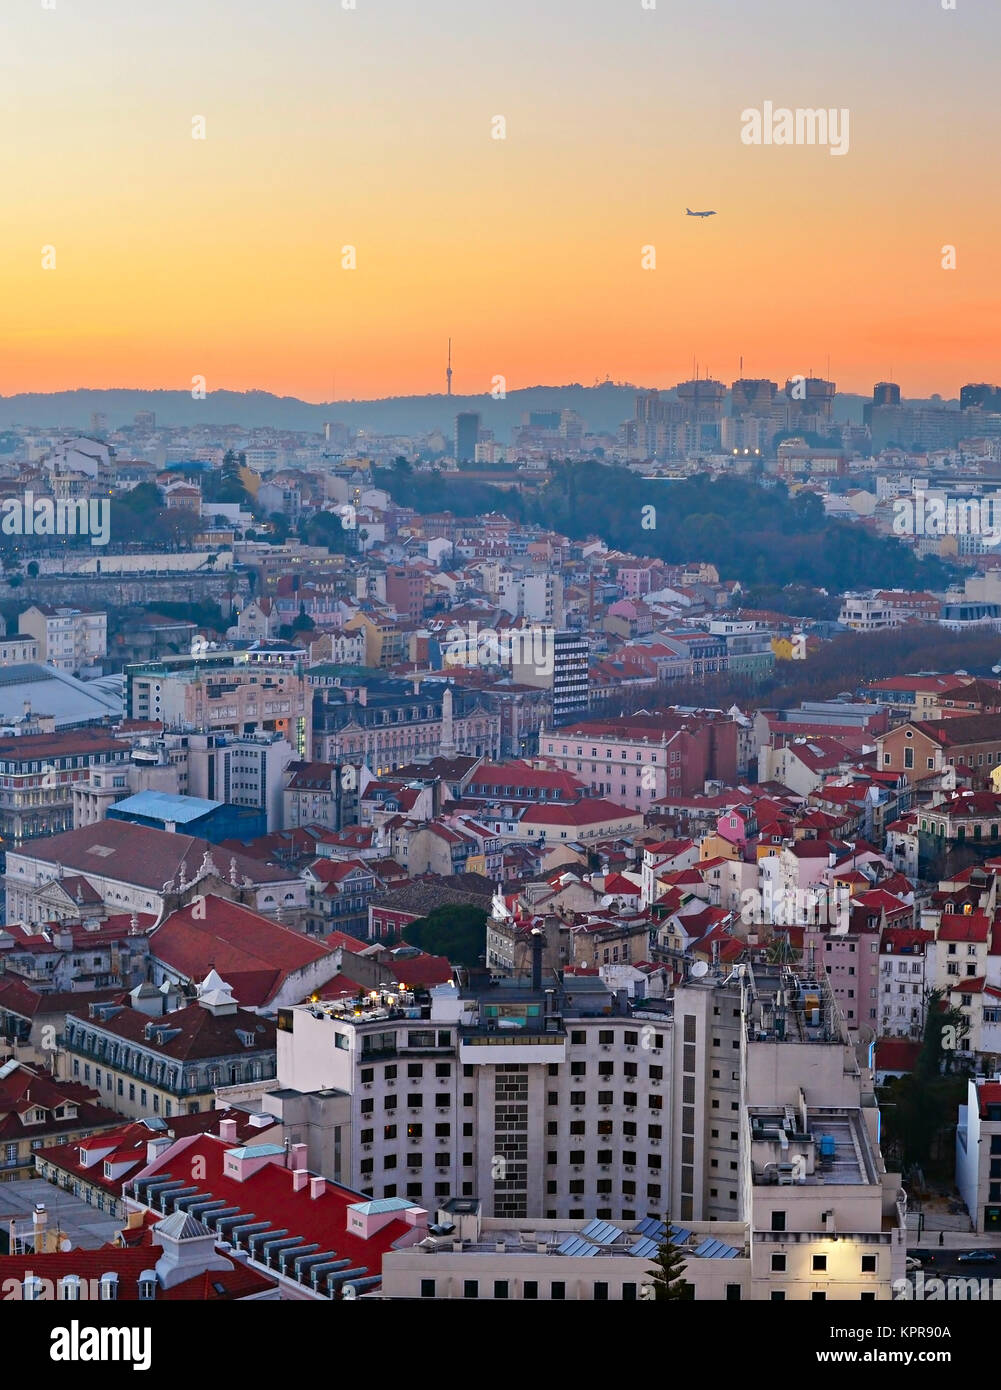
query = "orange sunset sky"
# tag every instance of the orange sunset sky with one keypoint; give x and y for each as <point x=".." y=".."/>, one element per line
<point x="372" y="127"/>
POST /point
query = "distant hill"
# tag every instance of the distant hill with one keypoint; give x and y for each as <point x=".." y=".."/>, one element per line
<point x="603" y="408"/>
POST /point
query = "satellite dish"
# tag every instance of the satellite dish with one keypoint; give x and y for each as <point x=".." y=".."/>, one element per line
<point x="65" y="1244"/>
<point x="699" y="969"/>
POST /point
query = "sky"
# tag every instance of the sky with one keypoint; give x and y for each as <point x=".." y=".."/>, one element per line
<point x="372" y="127"/>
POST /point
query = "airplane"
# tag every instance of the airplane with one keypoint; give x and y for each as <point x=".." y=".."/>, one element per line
<point x="689" y="213"/>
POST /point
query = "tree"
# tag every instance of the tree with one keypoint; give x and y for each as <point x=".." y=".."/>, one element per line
<point x="457" y="931"/>
<point x="302" y="621"/>
<point x="919" y="1110"/>
<point x="668" y="1281"/>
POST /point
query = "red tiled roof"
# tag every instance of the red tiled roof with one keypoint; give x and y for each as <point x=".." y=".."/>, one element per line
<point x="269" y="1194"/>
<point x="960" y="926"/>
<point x="896" y="1054"/>
<point x="216" y="1285"/>
<point x="252" y="953"/>
<point x="580" y="813"/>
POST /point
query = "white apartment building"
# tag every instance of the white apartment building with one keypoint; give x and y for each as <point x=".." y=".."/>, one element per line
<point x="978" y="1154"/>
<point x="70" y="639"/>
<point x="243" y="771"/>
<point x="864" y="614"/>
<point x="902" y="984"/>
<point x="745" y="1104"/>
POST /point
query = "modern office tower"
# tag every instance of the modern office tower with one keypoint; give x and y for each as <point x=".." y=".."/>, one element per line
<point x="144" y="419"/>
<point x="886" y="393"/>
<point x="563" y="670"/>
<point x="811" y="396"/>
<point x="980" y="394"/>
<point x="702" y="404"/>
<point x="467" y="435"/>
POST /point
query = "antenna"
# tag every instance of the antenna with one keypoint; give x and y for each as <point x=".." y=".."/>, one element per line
<point x="448" y="370"/>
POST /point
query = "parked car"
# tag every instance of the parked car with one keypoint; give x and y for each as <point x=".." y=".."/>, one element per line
<point x="927" y="1257"/>
<point x="978" y="1257"/>
<point x="912" y="1263"/>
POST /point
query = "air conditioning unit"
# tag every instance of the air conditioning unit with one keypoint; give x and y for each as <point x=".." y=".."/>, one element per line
<point x="366" y="1085"/>
<point x="654" y="1141"/>
<point x="628" y="1168"/>
<point x="606" y="1047"/>
<point x="655" y="1081"/>
<point x="606" y="1107"/>
<point x="605" y="1168"/>
<point x="630" y="1048"/>
<point x="630" y="1109"/>
<point x="366" y="1147"/>
<point x="577" y="1109"/>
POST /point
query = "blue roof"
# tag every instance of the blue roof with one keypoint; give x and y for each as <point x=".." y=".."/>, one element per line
<point x="256" y="1151"/>
<point x="163" y="806"/>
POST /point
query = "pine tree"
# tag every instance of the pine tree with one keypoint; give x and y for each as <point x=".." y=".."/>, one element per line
<point x="668" y="1280"/>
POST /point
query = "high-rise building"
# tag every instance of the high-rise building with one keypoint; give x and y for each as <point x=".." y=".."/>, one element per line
<point x="702" y="404"/>
<point x="467" y="435"/>
<point x="752" y="396"/>
<point x="555" y="1099"/>
<point x="980" y="394"/>
<point x="563" y="671"/>
<point x="811" y="395"/>
<point x="886" y="393"/>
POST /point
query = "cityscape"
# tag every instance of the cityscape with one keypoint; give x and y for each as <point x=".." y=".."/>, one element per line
<point x="469" y="834"/>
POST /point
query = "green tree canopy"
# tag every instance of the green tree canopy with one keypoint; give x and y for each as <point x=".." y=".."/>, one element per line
<point x="457" y="932"/>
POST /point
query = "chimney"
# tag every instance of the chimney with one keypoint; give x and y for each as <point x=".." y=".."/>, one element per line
<point x="39" y="1220"/>
<point x="300" y="1177"/>
<point x="227" y="1131"/>
<point x="538" y="946"/>
<point x="317" y="1187"/>
<point x="298" y="1155"/>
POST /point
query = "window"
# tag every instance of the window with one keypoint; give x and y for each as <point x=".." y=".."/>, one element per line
<point x="471" y="1288"/>
<point x="778" y="1264"/>
<point x="868" y="1264"/>
<point x="500" y="1288"/>
<point x="427" y="1288"/>
<point x="819" y="1265"/>
<point x="558" y="1289"/>
<point x="778" y="1220"/>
